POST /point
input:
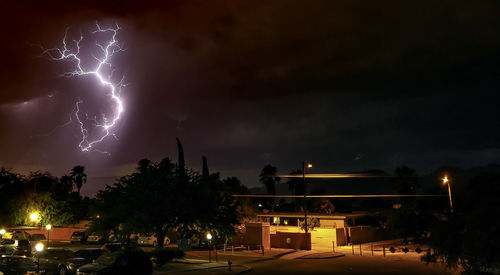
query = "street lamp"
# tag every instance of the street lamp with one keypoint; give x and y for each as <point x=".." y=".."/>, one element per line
<point x="48" y="227"/>
<point x="209" y="237"/>
<point x="38" y="248"/>
<point x="2" y="232"/>
<point x="305" y="191"/>
<point x="446" y="181"/>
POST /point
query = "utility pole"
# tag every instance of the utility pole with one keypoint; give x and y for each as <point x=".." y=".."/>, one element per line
<point x="305" y="192"/>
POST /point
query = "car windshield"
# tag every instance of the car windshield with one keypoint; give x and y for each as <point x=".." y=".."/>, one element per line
<point x="88" y="254"/>
<point x="108" y="259"/>
<point x="8" y="241"/>
<point x="59" y="253"/>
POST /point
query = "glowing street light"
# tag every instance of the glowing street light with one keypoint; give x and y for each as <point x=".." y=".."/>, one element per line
<point x="34" y="216"/>
<point x="2" y="232"/>
<point x="39" y="247"/>
<point x="48" y="227"/>
<point x="446" y="181"/>
<point x="209" y="236"/>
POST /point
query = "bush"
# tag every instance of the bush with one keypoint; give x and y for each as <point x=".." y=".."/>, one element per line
<point x="160" y="256"/>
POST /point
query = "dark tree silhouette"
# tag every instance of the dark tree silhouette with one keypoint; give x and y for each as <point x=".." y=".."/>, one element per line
<point x="79" y="177"/>
<point x="269" y="179"/>
<point x="297" y="187"/>
<point x="204" y="172"/>
<point x="181" y="164"/>
<point x="470" y="235"/>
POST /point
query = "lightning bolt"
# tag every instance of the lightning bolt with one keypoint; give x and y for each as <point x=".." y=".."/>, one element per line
<point x="70" y="51"/>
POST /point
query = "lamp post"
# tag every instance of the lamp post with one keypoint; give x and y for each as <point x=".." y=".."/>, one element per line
<point x="48" y="227"/>
<point x="305" y="191"/>
<point x="2" y="232"/>
<point x="38" y="248"/>
<point x="446" y="181"/>
<point x="209" y="237"/>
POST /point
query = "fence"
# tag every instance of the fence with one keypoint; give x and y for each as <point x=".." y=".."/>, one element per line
<point x="385" y="250"/>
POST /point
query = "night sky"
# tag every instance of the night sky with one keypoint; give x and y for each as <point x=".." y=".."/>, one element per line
<point x="347" y="85"/>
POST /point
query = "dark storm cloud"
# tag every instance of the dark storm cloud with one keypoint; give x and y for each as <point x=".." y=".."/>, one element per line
<point x="349" y="85"/>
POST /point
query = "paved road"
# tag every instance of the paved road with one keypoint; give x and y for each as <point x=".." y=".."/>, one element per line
<point x="343" y="265"/>
<point x="349" y="264"/>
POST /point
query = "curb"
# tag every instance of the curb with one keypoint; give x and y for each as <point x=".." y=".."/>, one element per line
<point x="319" y="257"/>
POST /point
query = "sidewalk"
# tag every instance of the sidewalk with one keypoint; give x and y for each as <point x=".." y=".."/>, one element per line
<point x="285" y="254"/>
<point x="193" y="265"/>
<point x="271" y="253"/>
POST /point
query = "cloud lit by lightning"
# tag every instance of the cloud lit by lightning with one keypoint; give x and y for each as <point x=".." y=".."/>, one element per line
<point x="103" y="72"/>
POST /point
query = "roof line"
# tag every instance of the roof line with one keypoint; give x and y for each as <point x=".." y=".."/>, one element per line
<point x="336" y="196"/>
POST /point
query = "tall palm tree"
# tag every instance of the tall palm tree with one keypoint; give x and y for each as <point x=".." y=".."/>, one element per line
<point x="269" y="178"/>
<point x="78" y="176"/>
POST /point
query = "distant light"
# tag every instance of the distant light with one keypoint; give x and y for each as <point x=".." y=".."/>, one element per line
<point x="260" y="204"/>
<point x="309" y="165"/>
<point x="48" y="227"/>
<point x="445" y="180"/>
<point x="34" y="216"/>
<point x="2" y="231"/>
<point x="39" y="247"/>
<point x="209" y="236"/>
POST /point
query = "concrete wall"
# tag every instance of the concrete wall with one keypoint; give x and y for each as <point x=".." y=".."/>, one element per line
<point x="323" y="238"/>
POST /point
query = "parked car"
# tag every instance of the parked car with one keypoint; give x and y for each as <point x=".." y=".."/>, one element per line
<point x="127" y="260"/>
<point x="150" y="239"/>
<point x="16" y="234"/>
<point x="16" y="265"/>
<point x="112" y="247"/>
<point x="37" y="237"/>
<point x="89" y="253"/>
<point x="59" y="260"/>
<point x="78" y="237"/>
<point x="96" y="238"/>
<point x="15" y="247"/>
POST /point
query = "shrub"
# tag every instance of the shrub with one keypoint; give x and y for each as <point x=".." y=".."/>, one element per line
<point x="160" y="256"/>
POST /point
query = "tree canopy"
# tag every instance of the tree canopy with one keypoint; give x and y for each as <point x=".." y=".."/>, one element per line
<point x="164" y="197"/>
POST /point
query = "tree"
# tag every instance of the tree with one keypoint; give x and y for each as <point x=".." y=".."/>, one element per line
<point x="469" y="237"/>
<point x="297" y="187"/>
<point x="205" y="173"/>
<point x="164" y="197"/>
<point x="269" y="179"/>
<point x="409" y="221"/>
<point x="62" y="188"/>
<point x="78" y="176"/>
<point x="181" y="163"/>
<point x="11" y="190"/>
<point x="322" y="205"/>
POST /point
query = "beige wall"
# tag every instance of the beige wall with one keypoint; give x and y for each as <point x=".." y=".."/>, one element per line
<point x="321" y="238"/>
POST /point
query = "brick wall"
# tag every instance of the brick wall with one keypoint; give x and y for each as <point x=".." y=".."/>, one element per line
<point x="56" y="233"/>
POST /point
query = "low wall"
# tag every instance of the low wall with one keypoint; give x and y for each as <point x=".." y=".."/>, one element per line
<point x="300" y="241"/>
<point x="56" y="233"/>
<point x="366" y="234"/>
